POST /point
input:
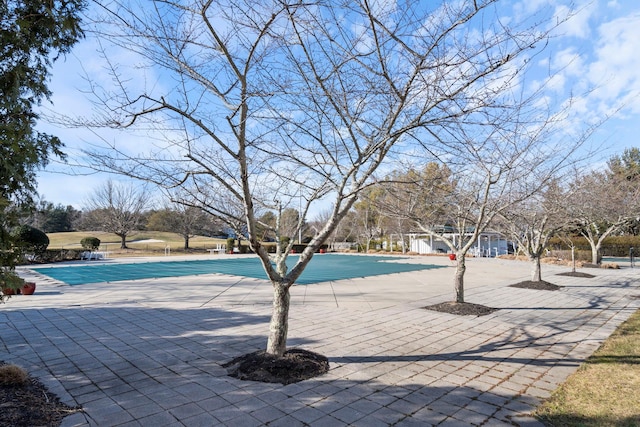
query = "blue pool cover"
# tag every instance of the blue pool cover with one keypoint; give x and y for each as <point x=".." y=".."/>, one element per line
<point x="322" y="268"/>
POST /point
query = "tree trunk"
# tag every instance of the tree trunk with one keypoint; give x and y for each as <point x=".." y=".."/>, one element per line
<point x="278" y="328"/>
<point x="536" y="273"/>
<point x="186" y="242"/>
<point x="459" y="278"/>
<point x="595" y="253"/>
<point x="123" y="241"/>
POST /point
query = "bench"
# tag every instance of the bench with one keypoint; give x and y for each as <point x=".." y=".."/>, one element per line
<point x="89" y="255"/>
<point x="220" y="248"/>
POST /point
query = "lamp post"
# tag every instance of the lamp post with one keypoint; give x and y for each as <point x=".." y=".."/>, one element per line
<point x="300" y="218"/>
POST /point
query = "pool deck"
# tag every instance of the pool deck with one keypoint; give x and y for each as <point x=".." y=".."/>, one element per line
<point x="149" y="352"/>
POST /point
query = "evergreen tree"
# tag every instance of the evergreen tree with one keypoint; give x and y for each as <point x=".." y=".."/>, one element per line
<point x="33" y="34"/>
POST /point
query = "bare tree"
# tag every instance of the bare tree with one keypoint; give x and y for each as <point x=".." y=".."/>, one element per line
<point x="375" y="214"/>
<point x="294" y="102"/>
<point x="601" y="204"/>
<point x="369" y="218"/>
<point x="626" y="167"/>
<point x="501" y="159"/>
<point x="283" y="225"/>
<point x="212" y="204"/>
<point x="118" y="209"/>
<point x="534" y="221"/>
<point x="567" y="235"/>
<point x="187" y="221"/>
<point x="344" y="232"/>
<point x="410" y="191"/>
<point x="290" y="224"/>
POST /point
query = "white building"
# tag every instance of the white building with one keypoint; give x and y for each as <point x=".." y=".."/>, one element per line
<point x="488" y="244"/>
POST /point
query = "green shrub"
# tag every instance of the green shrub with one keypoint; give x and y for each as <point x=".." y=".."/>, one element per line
<point x="59" y="255"/>
<point x="90" y="243"/>
<point x="230" y="243"/>
<point x="284" y="241"/>
<point x="375" y="244"/>
<point x="30" y="239"/>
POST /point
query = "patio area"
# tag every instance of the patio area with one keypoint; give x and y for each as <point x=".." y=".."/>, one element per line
<point x="149" y="352"/>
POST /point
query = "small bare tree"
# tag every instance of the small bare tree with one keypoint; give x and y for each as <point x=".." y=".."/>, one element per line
<point x="533" y="222"/>
<point x="601" y="203"/>
<point x="500" y="160"/>
<point x="187" y="221"/>
<point x="369" y="219"/>
<point x="346" y="231"/>
<point x="118" y="208"/>
<point x="289" y="103"/>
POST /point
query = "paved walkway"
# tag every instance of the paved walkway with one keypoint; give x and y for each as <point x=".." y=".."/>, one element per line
<point x="149" y="352"/>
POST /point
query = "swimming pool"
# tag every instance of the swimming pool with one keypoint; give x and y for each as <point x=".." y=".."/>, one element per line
<point x="322" y="268"/>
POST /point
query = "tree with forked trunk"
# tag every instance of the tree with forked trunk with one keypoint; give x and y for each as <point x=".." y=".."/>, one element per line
<point x="601" y="203"/>
<point x="279" y="105"/>
<point x="492" y="165"/>
<point x="187" y="221"/>
<point x="531" y="223"/>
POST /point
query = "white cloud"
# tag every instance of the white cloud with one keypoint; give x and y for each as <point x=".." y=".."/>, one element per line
<point x="569" y="62"/>
<point x="598" y="75"/>
<point x="529" y="7"/>
<point x="563" y="71"/>
<point x="580" y="15"/>
<point x="615" y="71"/>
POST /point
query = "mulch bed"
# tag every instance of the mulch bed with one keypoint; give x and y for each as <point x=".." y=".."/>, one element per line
<point x="294" y="366"/>
<point x="576" y="274"/>
<point x="470" y="309"/>
<point x="461" y="308"/>
<point x="537" y="285"/>
<point x="31" y="404"/>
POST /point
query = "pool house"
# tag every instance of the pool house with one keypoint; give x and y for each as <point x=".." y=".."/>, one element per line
<point x="488" y="244"/>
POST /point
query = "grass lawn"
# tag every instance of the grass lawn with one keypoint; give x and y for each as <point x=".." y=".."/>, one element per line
<point x="605" y="390"/>
<point x="141" y="242"/>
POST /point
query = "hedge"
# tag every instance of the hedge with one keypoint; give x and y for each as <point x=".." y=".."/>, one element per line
<point x="59" y="255"/>
<point x="613" y="246"/>
<point x="297" y="248"/>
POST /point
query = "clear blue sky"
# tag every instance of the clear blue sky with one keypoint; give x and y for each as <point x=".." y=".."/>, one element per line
<point x="597" y="49"/>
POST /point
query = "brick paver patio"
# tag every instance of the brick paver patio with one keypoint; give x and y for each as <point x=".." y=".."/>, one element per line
<point x="149" y="352"/>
